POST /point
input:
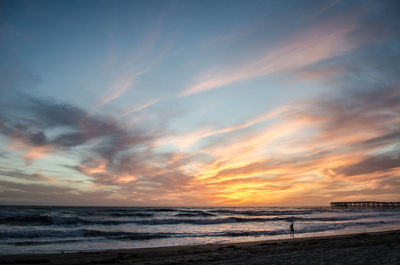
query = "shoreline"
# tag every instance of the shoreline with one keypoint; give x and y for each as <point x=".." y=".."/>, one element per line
<point x="356" y="248"/>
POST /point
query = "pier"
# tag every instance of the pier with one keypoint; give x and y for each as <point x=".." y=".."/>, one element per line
<point x="366" y="204"/>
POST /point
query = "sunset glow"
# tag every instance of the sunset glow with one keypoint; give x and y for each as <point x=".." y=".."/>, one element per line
<point x="199" y="103"/>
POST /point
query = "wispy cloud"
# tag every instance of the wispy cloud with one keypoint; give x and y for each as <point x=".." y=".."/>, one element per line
<point x="141" y="60"/>
<point x="327" y="6"/>
<point x="140" y="108"/>
<point x="121" y="85"/>
<point x="321" y="43"/>
<point x="184" y="141"/>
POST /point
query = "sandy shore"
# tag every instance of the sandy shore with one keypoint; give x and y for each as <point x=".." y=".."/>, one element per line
<point x="365" y="248"/>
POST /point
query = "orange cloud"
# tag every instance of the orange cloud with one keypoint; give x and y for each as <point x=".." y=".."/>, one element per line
<point x="99" y="167"/>
<point x="315" y="149"/>
<point x="31" y="152"/>
<point x="35" y="153"/>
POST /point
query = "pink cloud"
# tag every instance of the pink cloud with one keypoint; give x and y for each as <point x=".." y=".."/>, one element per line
<point x="321" y="43"/>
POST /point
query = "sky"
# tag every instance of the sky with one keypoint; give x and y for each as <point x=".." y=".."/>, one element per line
<point x="199" y="103"/>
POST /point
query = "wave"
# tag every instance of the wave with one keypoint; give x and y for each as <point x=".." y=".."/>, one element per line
<point x="45" y="220"/>
<point x="194" y="213"/>
<point x="229" y="220"/>
<point x="311" y="229"/>
<point x="81" y="235"/>
<point x="31" y="243"/>
<point x="49" y="233"/>
<point x="264" y="212"/>
<point x="132" y="214"/>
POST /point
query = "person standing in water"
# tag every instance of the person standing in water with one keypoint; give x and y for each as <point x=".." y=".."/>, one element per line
<point x="291" y="229"/>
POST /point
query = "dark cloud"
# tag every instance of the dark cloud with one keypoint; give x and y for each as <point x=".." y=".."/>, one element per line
<point x="151" y="170"/>
<point x="382" y="140"/>
<point x="359" y="110"/>
<point x="70" y="140"/>
<point x="171" y="180"/>
<point x="368" y="92"/>
<point x="386" y="187"/>
<point x="20" y="175"/>
<point x="51" y="114"/>
<point x="389" y="182"/>
<point x="80" y="127"/>
<point x="24" y="132"/>
<point x="372" y="164"/>
<point x="370" y="115"/>
<point x="357" y="119"/>
<point x="100" y="141"/>
<point x="45" y="194"/>
<point x="37" y="138"/>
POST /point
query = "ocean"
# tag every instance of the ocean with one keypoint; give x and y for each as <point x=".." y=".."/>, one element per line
<point x="44" y="229"/>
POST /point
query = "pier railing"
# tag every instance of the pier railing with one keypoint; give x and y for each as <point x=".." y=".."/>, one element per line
<point x="365" y="204"/>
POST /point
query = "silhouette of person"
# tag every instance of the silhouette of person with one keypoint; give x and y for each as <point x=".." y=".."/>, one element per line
<point x="291" y="229"/>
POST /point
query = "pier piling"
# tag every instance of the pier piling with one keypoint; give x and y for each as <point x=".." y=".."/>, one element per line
<point x="366" y="204"/>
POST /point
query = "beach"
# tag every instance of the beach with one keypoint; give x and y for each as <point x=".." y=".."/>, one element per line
<point x="363" y="248"/>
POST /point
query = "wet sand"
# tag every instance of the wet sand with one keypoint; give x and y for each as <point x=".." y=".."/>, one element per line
<point x="365" y="248"/>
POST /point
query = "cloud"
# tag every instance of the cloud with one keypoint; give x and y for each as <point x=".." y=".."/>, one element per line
<point x="318" y="72"/>
<point x="77" y="127"/>
<point x="274" y="166"/>
<point x="43" y="194"/>
<point x="186" y="140"/>
<point x="310" y="145"/>
<point x="326" y="7"/>
<point x="155" y="43"/>
<point x="121" y="86"/>
<point x="341" y="32"/>
<point x="20" y="175"/>
<point x="368" y="114"/>
<point x="313" y="146"/>
<point x="335" y="145"/>
<point x="370" y="165"/>
<point x="111" y="155"/>
<point x="322" y="43"/>
<point x="140" y="108"/>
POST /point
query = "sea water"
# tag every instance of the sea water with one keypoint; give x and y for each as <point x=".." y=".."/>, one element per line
<point x="27" y="229"/>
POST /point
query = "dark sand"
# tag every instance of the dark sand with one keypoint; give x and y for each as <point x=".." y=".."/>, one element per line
<point x="365" y="248"/>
